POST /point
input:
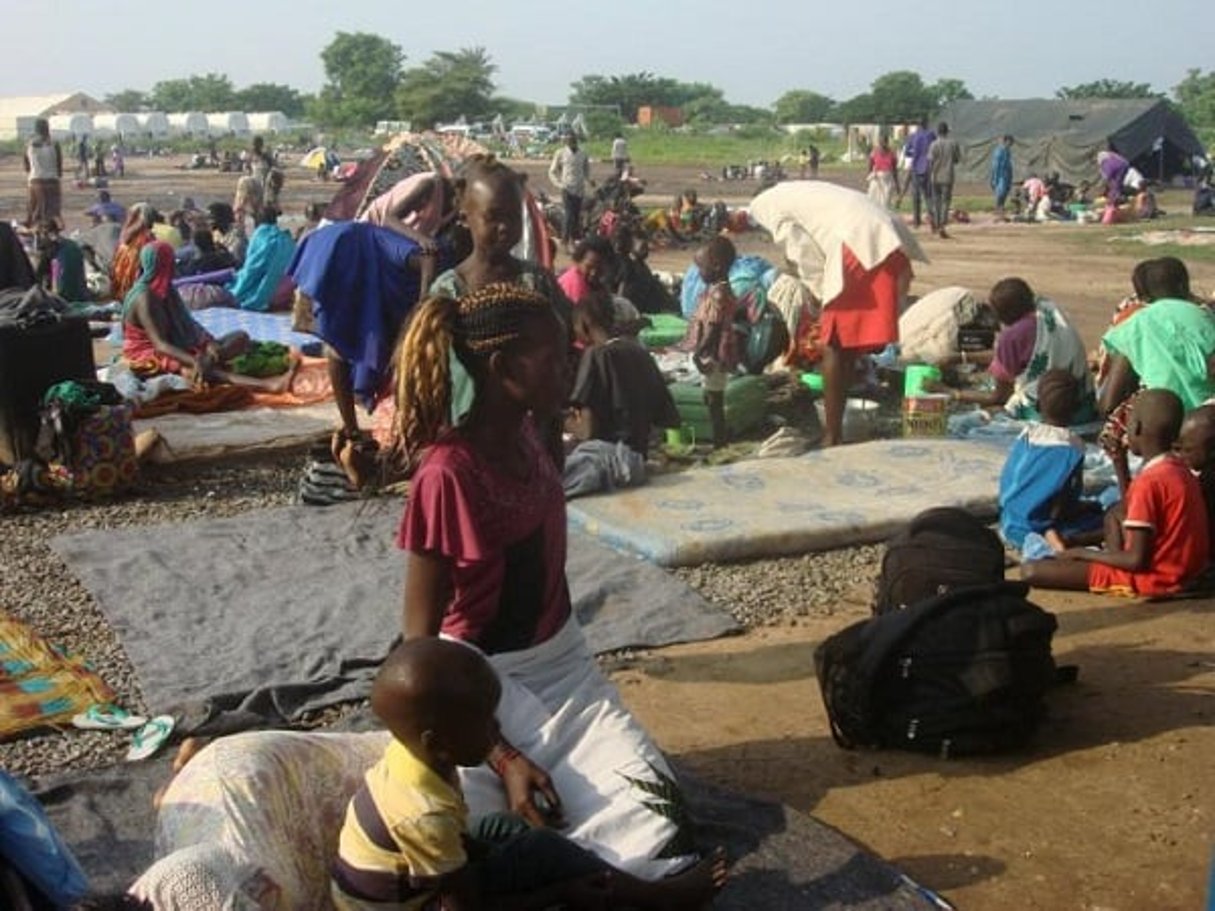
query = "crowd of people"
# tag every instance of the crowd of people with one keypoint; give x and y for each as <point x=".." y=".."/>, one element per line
<point x="494" y="699"/>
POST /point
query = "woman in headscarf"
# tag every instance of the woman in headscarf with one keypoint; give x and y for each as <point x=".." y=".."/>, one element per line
<point x="15" y="268"/>
<point x="266" y="261"/>
<point x="160" y="335"/>
<point x="136" y="234"/>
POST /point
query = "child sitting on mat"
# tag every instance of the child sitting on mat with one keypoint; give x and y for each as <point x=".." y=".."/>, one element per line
<point x="715" y="344"/>
<point x="406" y="841"/>
<point x="1160" y="541"/>
<point x="1043" y="478"/>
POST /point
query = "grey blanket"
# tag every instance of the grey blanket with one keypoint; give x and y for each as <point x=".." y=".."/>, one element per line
<point x="780" y="859"/>
<point x="275" y="613"/>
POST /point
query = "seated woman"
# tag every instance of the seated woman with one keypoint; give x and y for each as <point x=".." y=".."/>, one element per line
<point x="210" y="256"/>
<point x="594" y="263"/>
<point x="618" y="386"/>
<point x="160" y="335"/>
<point x="270" y="251"/>
<point x="61" y="264"/>
<point x="136" y="234"/>
<point x="228" y="232"/>
<point x="1035" y="337"/>
<point x="1168" y="344"/>
<point x="484" y="532"/>
<point x="634" y="280"/>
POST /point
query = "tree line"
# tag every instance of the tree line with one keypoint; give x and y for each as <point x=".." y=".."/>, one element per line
<point x="366" y="79"/>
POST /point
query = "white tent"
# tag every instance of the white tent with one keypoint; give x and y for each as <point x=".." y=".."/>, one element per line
<point x="192" y="123"/>
<point x="227" y="123"/>
<point x="116" y="125"/>
<point x="268" y="122"/>
<point x="71" y="126"/>
<point x="154" y="123"/>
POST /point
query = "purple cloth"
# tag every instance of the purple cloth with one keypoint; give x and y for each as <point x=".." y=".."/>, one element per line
<point x="1014" y="348"/>
<point x="222" y="277"/>
<point x="1113" y="168"/>
<point x="917" y="148"/>
<point x="106" y="211"/>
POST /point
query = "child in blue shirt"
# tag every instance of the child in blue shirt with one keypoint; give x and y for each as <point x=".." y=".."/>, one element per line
<point x="1043" y="477"/>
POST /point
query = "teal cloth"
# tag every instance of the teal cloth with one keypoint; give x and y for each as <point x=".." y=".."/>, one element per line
<point x="70" y="283"/>
<point x="266" y="261"/>
<point x="1169" y="344"/>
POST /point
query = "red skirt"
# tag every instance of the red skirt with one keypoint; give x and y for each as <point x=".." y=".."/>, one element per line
<point x="866" y="314"/>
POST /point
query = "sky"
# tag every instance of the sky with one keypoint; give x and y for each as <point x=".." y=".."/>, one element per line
<point x="754" y="50"/>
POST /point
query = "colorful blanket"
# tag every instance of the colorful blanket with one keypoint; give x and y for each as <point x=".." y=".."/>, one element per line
<point x="41" y="684"/>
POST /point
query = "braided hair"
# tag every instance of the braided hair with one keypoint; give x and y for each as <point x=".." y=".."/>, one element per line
<point x="476" y="326"/>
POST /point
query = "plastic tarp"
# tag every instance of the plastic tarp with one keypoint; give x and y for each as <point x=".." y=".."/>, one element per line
<point x="1065" y="136"/>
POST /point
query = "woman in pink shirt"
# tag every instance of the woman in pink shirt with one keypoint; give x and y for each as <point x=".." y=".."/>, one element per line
<point x="593" y="261"/>
<point x="883" y="176"/>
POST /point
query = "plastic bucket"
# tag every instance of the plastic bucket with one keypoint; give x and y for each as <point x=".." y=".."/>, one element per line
<point x="915" y="378"/>
<point x="679" y="437"/>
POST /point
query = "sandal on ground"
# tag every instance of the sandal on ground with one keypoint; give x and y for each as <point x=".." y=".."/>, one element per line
<point x="151" y="737"/>
<point x="107" y="717"/>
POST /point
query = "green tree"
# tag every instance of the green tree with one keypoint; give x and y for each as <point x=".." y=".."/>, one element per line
<point x="362" y="72"/>
<point x="858" y="109"/>
<point x="209" y="92"/>
<point x="449" y="84"/>
<point x="270" y="96"/>
<point x="631" y="91"/>
<point x="1196" y="98"/>
<point x="802" y="106"/>
<point x="901" y="97"/>
<point x="943" y="91"/>
<point x="127" y="100"/>
<point x="1107" y="88"/>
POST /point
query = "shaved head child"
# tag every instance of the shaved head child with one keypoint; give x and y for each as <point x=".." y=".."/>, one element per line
<point x="406" y="841"/>
<point x="1196" y="446"/>
<point x="1160" y="542"/>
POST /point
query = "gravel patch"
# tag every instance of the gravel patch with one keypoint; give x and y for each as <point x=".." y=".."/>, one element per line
<point x="36" y="587"/>
<point x="778" y="591"/>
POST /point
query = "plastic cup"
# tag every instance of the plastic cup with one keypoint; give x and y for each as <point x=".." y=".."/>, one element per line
<point x="915" y="378"/>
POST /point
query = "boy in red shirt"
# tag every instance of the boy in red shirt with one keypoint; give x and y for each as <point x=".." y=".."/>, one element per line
<point x="1160" y="542"/>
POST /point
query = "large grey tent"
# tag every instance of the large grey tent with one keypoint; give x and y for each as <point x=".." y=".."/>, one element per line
<point x="1065" y="136"/>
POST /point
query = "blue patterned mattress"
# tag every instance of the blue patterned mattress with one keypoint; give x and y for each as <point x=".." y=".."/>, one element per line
<point x="771" y="507"/>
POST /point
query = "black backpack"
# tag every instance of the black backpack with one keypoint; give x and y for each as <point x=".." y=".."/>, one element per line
<point x="960" y="674"/>
<point x="941" y="549"/>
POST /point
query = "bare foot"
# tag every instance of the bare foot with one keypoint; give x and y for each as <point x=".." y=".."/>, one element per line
<point x="283" y="384"/>
<point x="693" y="888"/>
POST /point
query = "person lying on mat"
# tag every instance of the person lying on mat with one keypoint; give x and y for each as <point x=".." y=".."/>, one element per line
<point x="1158" y="542"/>
<point x="407" y="839"/>
<point x="484" y="533"/>
<point x="160" y="335"/>
<point x="618" y="385"/>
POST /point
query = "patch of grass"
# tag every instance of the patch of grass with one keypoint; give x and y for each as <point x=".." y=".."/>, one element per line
<point x="710" y="151"/>
<point x="1118" y="240"/>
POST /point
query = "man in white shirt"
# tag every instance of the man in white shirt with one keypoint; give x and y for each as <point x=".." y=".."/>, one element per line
<point x="620" y="154"/>
<point x="571" y="172"/>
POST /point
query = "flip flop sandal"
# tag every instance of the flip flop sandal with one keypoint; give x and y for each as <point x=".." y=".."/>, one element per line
<point x="150" y="738"/>
<point x="107" y="717"/>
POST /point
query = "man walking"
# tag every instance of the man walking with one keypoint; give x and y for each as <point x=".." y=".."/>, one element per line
<point x="570" y="172"/>
<point x="1002" y="173"/>
<point x="916" y="148"/>
<point x="943" y="157"/>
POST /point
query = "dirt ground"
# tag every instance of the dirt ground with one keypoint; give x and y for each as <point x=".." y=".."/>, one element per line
<point x="1113" y="809"/>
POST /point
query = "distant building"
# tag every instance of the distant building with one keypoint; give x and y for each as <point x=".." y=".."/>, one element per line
<point x="651" y="115"/>
<point x="17" y="114"/>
